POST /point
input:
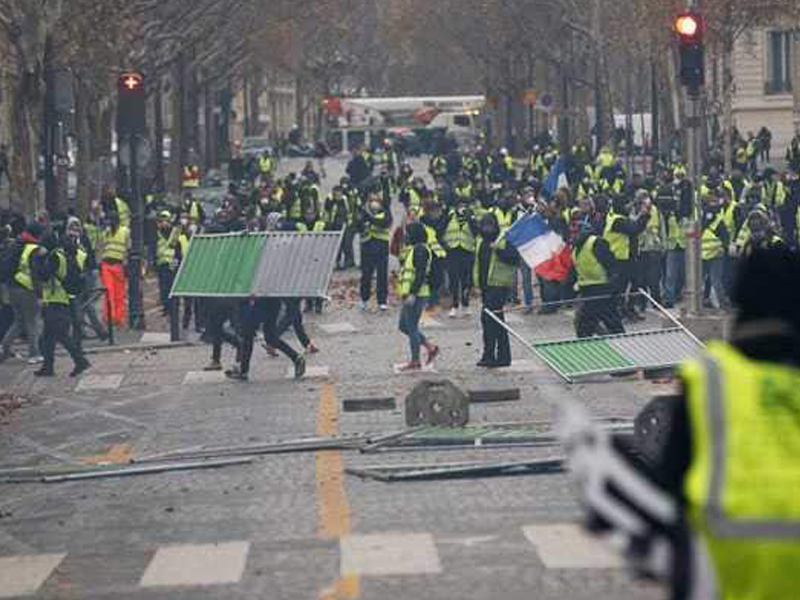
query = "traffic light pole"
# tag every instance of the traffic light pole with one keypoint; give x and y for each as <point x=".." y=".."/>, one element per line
<point x="135" y="296"/>
<point x="694" y="262"/>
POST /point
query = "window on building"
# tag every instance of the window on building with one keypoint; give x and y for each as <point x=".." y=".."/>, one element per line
<point x="779" y="62"/>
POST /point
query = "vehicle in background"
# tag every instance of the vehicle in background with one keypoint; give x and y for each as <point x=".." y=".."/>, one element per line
<point x="256" y="146"/>
<point x="300" y="150"/>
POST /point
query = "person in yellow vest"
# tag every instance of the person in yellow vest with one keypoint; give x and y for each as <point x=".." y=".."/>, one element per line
<point x="620" y="229"/>
<point x="715" y="240"/>
<point x="51" y="265"/>
<point x="23" y="296"/>
<point x="191" y="176"/>
<point x="714" y="514"/>
<point x="435" y="222"/>
<point x="675" y="215"/>
<point x="651" y="247"/>
<point x="459" y="242"/>
<point x="595" y="266"/>
<point x="266" y="165"/>
<point x="115" y="242"/>
<point x="193" y="209"/>
<point x="82" y="305"/>
<point x="493" y="273"/>
<point x="413" y="288"/>
<point x="375" y="224"/>
<point x="166" y="241"/>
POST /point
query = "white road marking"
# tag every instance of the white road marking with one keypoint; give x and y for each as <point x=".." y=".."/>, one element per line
<point x="523" y="366"/>
<point x="334" y="328"/>
<point x="389" y="554"/>
<point x="312" y="372"/>
<point x="99" y="382"/>
<point x="152" y="337"/>
<point x="204" y="377"/>
<point x="431" y="368"/>
<point x="24" y="575"/>
<point x="202" y="564"/>
<point x="569" y="547"/>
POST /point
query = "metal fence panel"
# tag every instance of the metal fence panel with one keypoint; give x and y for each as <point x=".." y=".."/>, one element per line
<point x="657" y="349"/>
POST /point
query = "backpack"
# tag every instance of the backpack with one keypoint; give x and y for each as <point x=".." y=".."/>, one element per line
<point x="9" y="261"/>
<point x="73" y="282"/>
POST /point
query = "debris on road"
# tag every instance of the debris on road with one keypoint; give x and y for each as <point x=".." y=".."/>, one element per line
<point x="9" y="404"/>
<point x="490" y="396"/>
<point x="368" y="404"/>
<point x="422" y="472"/>
<point x="64" y="474"/>
<point x="437" y="403"/>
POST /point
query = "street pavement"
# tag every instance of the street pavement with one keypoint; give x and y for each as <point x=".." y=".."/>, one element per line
<point x="295" y="525"/>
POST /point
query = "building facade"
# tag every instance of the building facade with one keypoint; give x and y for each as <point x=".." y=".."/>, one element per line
<point x="766" y="71"/>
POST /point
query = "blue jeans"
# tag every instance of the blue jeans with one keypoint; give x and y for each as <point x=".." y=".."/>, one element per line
<point x="675" y="276"/>
<point x="409" y="326"/>
<point x="527" y="285"/>
<point x="714" y="269"/>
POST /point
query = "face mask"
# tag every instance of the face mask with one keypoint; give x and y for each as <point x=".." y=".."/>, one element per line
<point x="184" y="222"/>
<point x="192" y="229"/>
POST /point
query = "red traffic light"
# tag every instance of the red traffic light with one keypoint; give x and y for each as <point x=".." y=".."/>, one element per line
<point x="689" y="26"/>
<point x="131" y="81"/>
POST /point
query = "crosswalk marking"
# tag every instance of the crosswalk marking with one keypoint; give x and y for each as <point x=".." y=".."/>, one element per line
<point x="204" y="377"/>
<point x="24" y="575"/>
<point x="569" y="547"/>
<point x="312" y="372"/>
<point x="334" y="328"/>
<point x="523" y="366"/>
<point x="198" y="565"/>
<point x="90" y="383"/>
<point x="154" y="337"/>
<point x="389" y="554"/>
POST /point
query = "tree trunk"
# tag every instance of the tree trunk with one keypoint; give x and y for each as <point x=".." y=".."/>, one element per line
<point x="727" y="101"/>
<point x="83" y="157"/>
<point x="177" y="143"/>
<point x="22" y="158"/>
<point x="255" y="88"/>
<point x="158" y="131"/>
<point x="796" y="82"/>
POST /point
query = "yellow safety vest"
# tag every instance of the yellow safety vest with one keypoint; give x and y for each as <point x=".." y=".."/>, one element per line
<point x="53" y="291"/>
<point x="675" y="238"/>
<point x="375" y="232"/>
<point x="651" y="239"/>
<point x="712" y="245"/>
<point x="408" y="273"/>
<point x="501" y="274"/>
<point x="590" y="270"/>
<point x="23" y="276"/>
<point x="742" y="485"/>
<point x="94" y="234"/>
<point x="115" y="245"/>
<point x="459" y="234"/>
<point x="183" y="242"/>
<point x="504" y="219"/>
<point x="433" y="243"/>
<point x="124" y="212"/>
<point x="265" y="164"/>
<point x="165" y="250"/>
<point x="619" y="242"/>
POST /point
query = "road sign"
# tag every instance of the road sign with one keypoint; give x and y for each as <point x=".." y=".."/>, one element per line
<point x="529" y="97"/>
<point x="144" y="152"/>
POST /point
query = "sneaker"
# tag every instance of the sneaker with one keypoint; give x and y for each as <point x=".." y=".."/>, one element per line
<point x="44" y="373"/>
<point x="383" y="307"/>
<point x="484" y="362"/>
<point x="80" y="368"/>
<point x="299" y="367"/>
<point x="453" y="313"/>
<point x="213" y="366"/>
<point x="432" y="355"/>
<point x="236" y="375"/>
<point x="312" y="349"/>
<point x="364" y="306"/>
<point x="411" y="366"/>
<point x="35" y="360"/>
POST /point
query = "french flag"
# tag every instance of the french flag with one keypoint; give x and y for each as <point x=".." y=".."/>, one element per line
<point x="556" y="179"/>
<point x="542" y="249"/>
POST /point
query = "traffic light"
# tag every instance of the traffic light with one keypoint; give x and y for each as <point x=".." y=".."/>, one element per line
<point x="689" y="27"/>
<point x="131" y="107"/>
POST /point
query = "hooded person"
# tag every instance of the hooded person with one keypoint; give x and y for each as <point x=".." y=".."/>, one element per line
<point x="414" y="289"/>
<point x="493" y="273"/>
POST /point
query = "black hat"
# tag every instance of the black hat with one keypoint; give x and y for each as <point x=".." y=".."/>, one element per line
<point x="766" y="287"/>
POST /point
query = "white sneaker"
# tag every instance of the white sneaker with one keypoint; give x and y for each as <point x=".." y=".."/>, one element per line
<point x="383" y="307"/>
<point x="35" y="360"/>
<point x="364" y="306"/>
<point x="453" y="313"/>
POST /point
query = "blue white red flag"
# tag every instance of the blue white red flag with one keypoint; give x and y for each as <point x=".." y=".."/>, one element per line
<point x="542" y="249"/>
